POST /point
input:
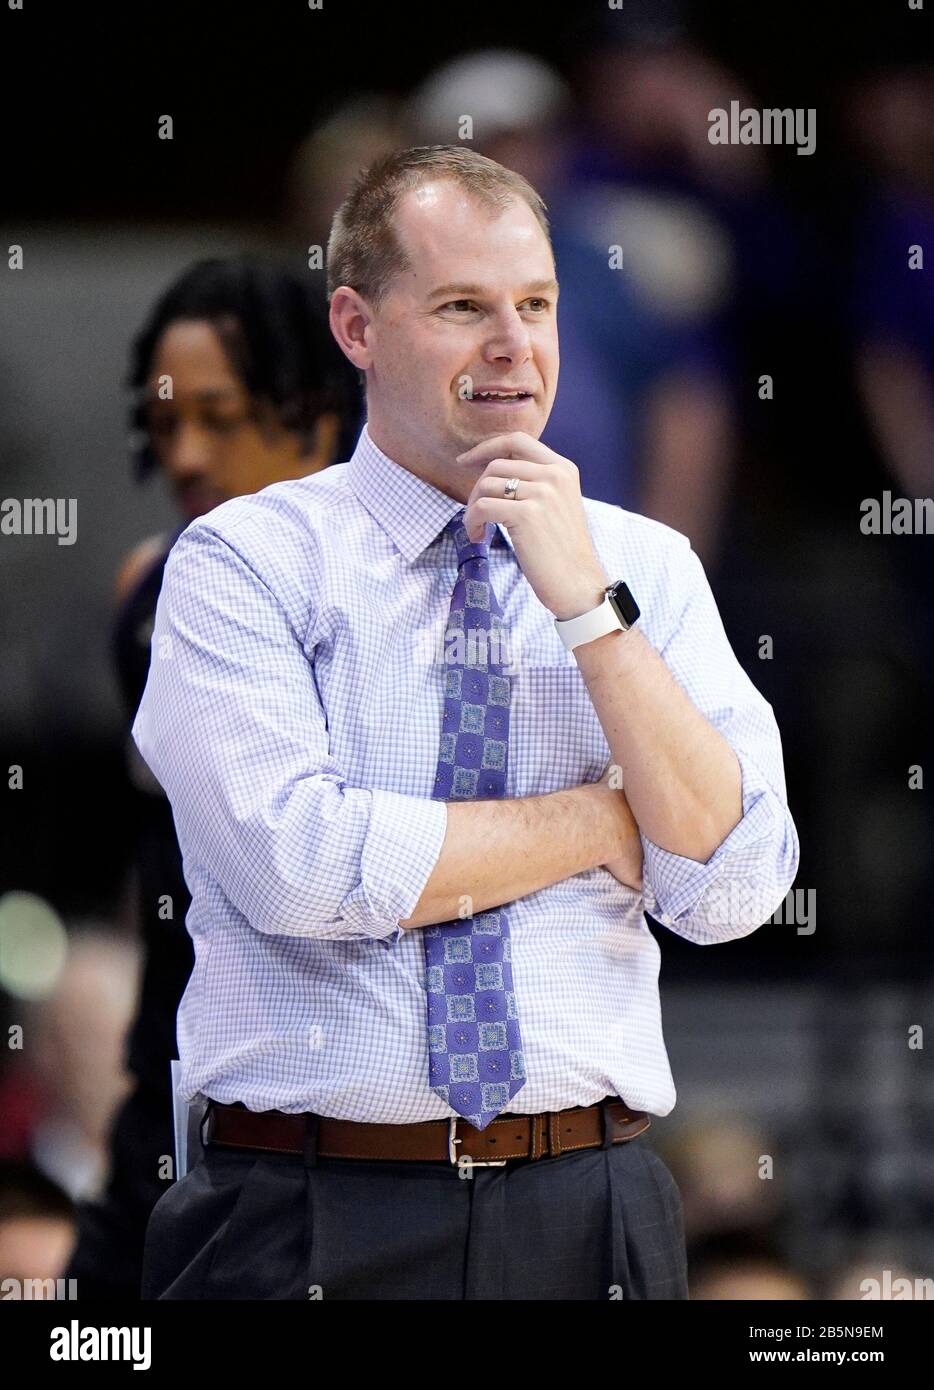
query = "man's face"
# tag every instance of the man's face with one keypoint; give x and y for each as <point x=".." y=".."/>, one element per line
<point x="208" y="438"/>
<point x="477" y="309"/>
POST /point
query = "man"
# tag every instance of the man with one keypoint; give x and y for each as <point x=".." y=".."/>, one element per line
<point x="426" y="779"/>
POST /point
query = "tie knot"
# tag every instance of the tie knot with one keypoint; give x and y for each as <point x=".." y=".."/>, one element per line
<point x="466" y="548"/>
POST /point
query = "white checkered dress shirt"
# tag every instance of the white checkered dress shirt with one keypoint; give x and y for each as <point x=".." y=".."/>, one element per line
<point x="293" y="716"/>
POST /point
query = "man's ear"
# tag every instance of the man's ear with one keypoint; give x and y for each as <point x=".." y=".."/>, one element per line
<point x="350" y="317"/>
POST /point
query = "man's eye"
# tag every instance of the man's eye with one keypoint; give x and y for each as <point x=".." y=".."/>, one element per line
<point x="222" y="424"/>
<point x="538" y="304"/>
<point x="159" y="426"/>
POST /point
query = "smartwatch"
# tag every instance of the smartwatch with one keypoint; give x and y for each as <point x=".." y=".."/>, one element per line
<point x="617" y="612"/>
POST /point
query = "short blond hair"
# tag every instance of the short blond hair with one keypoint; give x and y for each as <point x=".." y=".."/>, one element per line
<point x="364" y="251"/>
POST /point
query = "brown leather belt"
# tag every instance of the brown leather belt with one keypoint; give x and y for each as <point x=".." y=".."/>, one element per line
<point x="443" y="1141"/>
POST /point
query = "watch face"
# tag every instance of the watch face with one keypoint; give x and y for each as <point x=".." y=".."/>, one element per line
<point x="623" y="602"/>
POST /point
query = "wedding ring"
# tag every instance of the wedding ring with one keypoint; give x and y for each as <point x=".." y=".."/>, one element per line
<point x="512" y="488"/>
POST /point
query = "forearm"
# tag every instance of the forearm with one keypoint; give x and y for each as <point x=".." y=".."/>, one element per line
<point x="690" y="433"/>
<point x="499" y="850"/>
<point x="681" y="777"/>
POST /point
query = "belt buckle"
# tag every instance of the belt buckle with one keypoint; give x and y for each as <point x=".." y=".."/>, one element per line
<point x="465" y="1160"/>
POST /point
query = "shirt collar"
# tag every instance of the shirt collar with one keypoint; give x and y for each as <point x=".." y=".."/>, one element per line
<point x="411" y="511"/>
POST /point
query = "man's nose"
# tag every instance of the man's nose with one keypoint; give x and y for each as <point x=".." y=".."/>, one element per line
<point x="509" y="337"/>
<point x="189" y="453"/>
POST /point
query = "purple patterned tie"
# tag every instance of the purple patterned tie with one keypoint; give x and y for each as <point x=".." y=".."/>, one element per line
<point x="475" y="1060"/>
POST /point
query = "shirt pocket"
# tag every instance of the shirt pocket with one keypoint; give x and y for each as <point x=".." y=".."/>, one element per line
<point x="556" y="740"/>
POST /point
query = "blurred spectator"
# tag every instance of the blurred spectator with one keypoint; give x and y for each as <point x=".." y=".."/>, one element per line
<point x="891" y="116"/>
<point x="37" y="1224"/>
<point x="730" y="258"/>
<point x="20" y="1101"/>
<point x="260" y="393"/>
<point x="356" y="133"/>
<point x="718" y="1165"/>
<point x="742" y="1265"/>
<point x="76" y="1056"/>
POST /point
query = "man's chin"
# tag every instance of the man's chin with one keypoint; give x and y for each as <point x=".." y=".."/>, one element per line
<point x="197" y="504"/>
<point x="475" y="432"/>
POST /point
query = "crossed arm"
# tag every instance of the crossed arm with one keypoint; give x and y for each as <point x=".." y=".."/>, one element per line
<point x="498" y="851"/>
<point x="696" y="814"/>
<point x="682" y="775"/>
<point x="234" y="731"/>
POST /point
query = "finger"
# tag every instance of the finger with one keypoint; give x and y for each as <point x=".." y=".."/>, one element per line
<point x="492" y="487"/>
<point x="484" y="510"/>
<point x="516" y="445"/>
<point x="500" y="469"/>
<point x="493" y="479"/>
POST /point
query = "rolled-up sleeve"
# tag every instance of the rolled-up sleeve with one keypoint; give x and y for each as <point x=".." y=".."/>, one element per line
<point x="232" y="725"/>
<point x="748" y="875"/>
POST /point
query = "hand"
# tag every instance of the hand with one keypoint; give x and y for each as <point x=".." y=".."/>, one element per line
<point x="546" y="521"/>
<point x="627" y="867"/>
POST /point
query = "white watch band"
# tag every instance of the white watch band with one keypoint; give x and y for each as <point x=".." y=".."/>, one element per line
<point x="600" y="620"/>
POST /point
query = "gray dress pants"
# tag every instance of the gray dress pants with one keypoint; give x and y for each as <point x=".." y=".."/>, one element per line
<point x="601" y="1223"/>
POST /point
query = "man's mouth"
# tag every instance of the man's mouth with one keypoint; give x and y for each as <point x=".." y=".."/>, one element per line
<point x="500" y="398"/>
<point x="196" y="499"/>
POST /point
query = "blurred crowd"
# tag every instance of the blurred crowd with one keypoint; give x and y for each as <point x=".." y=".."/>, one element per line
<point x="690" y="273"/>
